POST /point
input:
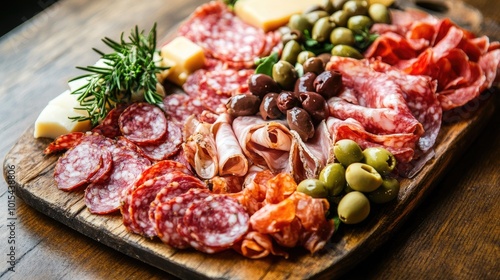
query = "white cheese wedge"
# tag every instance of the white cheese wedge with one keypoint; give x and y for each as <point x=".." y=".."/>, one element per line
<point x="54" y="120"/>
<point x="271" y="14"/>
<point x="184" y="57"/>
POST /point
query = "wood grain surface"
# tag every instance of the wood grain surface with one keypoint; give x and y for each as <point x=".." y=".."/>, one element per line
<point x="454" y="233"/>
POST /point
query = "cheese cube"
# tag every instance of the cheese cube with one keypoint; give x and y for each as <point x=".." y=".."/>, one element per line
<point x="271" y="14"/>
<point x="54" y="120"/>
<point x="184" y="57"/>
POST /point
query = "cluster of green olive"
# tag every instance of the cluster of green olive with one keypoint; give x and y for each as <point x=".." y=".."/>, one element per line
<point x="336" y="22"/>
<point x="358" y="178"/>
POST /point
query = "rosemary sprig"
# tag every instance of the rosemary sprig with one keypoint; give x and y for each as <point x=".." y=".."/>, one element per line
<point x="130" y="69"/>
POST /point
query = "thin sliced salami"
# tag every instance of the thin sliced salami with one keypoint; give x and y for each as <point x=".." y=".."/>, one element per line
<point x="169" y="214"/>
<point x="77" y="166"/>
<point x="143" y="123"/>
<point x="169" y="147"/>
<point x="64" y="142"/>
<point x="109" y="127"/>
<point x="180" y="105"/>
<point x="214" y="224"/>
<point x="105" y="197"/>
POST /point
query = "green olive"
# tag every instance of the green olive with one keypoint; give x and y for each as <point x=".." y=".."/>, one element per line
<point x="292" y="35"/>
<point x="347" y="151"/>
<point x="348" y="189"/>
<point x="313" y="187"/>
<point x="342" y="36"/>
<point x="338" y="4"/>
<point x="290" y="52"/>
<point x="353" y="208"/>
<point x="386" y="192"/>
<point x="359" y="23"/>
<point x="362" y="177"/>
<point x="346" y="51"/>
<point x="314" y="16"/>
<point x="304" y="55"/>
<point x="299" y="22"/>
<point x="379" y="13"/>
<point x="340" y="18"/>
<point x="327" y="6"/>
<point x="381" y="159"/>
<point x="284" y="74"/>
<point x="333" y="176"/>
<point x="322" y="29"/>
<point x="355" y="7"/>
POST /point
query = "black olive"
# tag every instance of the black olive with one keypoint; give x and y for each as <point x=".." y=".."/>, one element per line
<point x="261" y="84"/>
<point x="243" y="105"/>
<point x="315" y="105"/>
<point x="300" y="121"/>
<point x="328" y="83"/>
<point x="269" y="107"/>
<point x="305" y="83"/>
<point x="287" y="100"/>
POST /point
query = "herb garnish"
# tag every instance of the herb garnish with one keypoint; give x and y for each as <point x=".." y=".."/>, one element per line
<point x="131" y="68"/>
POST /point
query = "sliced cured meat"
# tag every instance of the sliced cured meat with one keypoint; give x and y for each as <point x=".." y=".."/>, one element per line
<point x="279" y="188"/>
<point x="105" y="168"/>
<point x="109" y="126"/>
<point x="232" y="161"/>
<point x="214" y="223"/>
<point x="254" y="194"/>
<point x="105" y="197"/>
<point x="271" y="218"/>
<point x="224" y="36"/>
<point x="167" y="148"/>
<point x="77" y="166"/>
<point x="256" y="245"/>
<point x="64" y="142"/>
<point x="226" y="184"/>
<point x="143" y="123"/>
<point x="167" y="216"/>
<point x="200" y="149"/>
<point x="179" y="106"/>
<point x="175" y="183"/>
<point x="265" y="143"/>
<point x="214" y="87"/>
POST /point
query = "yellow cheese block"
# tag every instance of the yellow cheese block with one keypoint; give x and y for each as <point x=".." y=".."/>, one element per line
<point x="271" y="14"/>
<point x="184" y="57"/>
<point x="54" y="120"/>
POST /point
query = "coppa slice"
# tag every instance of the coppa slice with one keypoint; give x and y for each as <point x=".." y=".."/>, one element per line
<point x="143" y="123"/>
<point x="105" y="197"/>
<point x="214" y="223"/>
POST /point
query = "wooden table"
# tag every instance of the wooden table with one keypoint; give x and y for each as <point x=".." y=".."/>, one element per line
<point x="453" y="234"/>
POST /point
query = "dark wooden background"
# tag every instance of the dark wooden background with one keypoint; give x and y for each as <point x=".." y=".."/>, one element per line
<point x="453" y="234"/>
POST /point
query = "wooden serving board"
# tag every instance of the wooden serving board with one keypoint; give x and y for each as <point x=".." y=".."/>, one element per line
<point x="36" y="186"/>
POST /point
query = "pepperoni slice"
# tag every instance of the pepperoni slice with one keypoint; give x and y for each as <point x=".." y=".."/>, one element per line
<point x="105" y="197"/>
<point x="64" y="142"/>
<point x="169" y="147"/>
<point x="167" y="216"/>
<point x="214" y="223"/>
<point x="143" y="123"/>
<point x="77" y="166"/>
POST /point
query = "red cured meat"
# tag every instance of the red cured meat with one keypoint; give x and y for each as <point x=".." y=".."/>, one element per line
<point x="167" y="216"/>
<point x="224" y="36"/>
<point x="64" y="142"/>
<point x="214" y="223"/>
<point x="77" y="166"/>
<point x="109" y="126"/>
<point x="143" y="123"/>
<point x="167" y="148"/>
<point x="179" y="106"/>
<point x="105" y="197"/>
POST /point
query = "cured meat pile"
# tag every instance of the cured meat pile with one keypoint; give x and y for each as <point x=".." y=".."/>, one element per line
<point x="462" y="64"/>
<point x="186" y="172"/>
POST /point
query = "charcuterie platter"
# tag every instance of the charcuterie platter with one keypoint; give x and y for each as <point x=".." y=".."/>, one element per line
<point x="41" y="175"/>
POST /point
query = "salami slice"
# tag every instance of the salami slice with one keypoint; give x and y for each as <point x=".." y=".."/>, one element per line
<point x="109" y="127"/>
<point x="77" y="166"/>
<point x="180" y="105"/>
<point x="64" y="142"/>
<point x="141" y="198"/>
<point x="105" y="197"/>
<point x="167" y="216"/>
<point x="214" y="223"/>
<point x="143" y="123"/>
<point x="169" y="147"/>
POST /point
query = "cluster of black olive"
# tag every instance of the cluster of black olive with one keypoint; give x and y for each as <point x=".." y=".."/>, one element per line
<point x="303" y="107"/>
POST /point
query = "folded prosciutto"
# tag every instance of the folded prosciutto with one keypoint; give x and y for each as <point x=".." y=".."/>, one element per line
<point x="382" y="106"/>
<point x="265" y="143"/>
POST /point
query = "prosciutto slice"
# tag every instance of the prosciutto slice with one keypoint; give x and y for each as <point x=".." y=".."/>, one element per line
<point x="265" y="143"/>
<point x="232" y="161"/>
